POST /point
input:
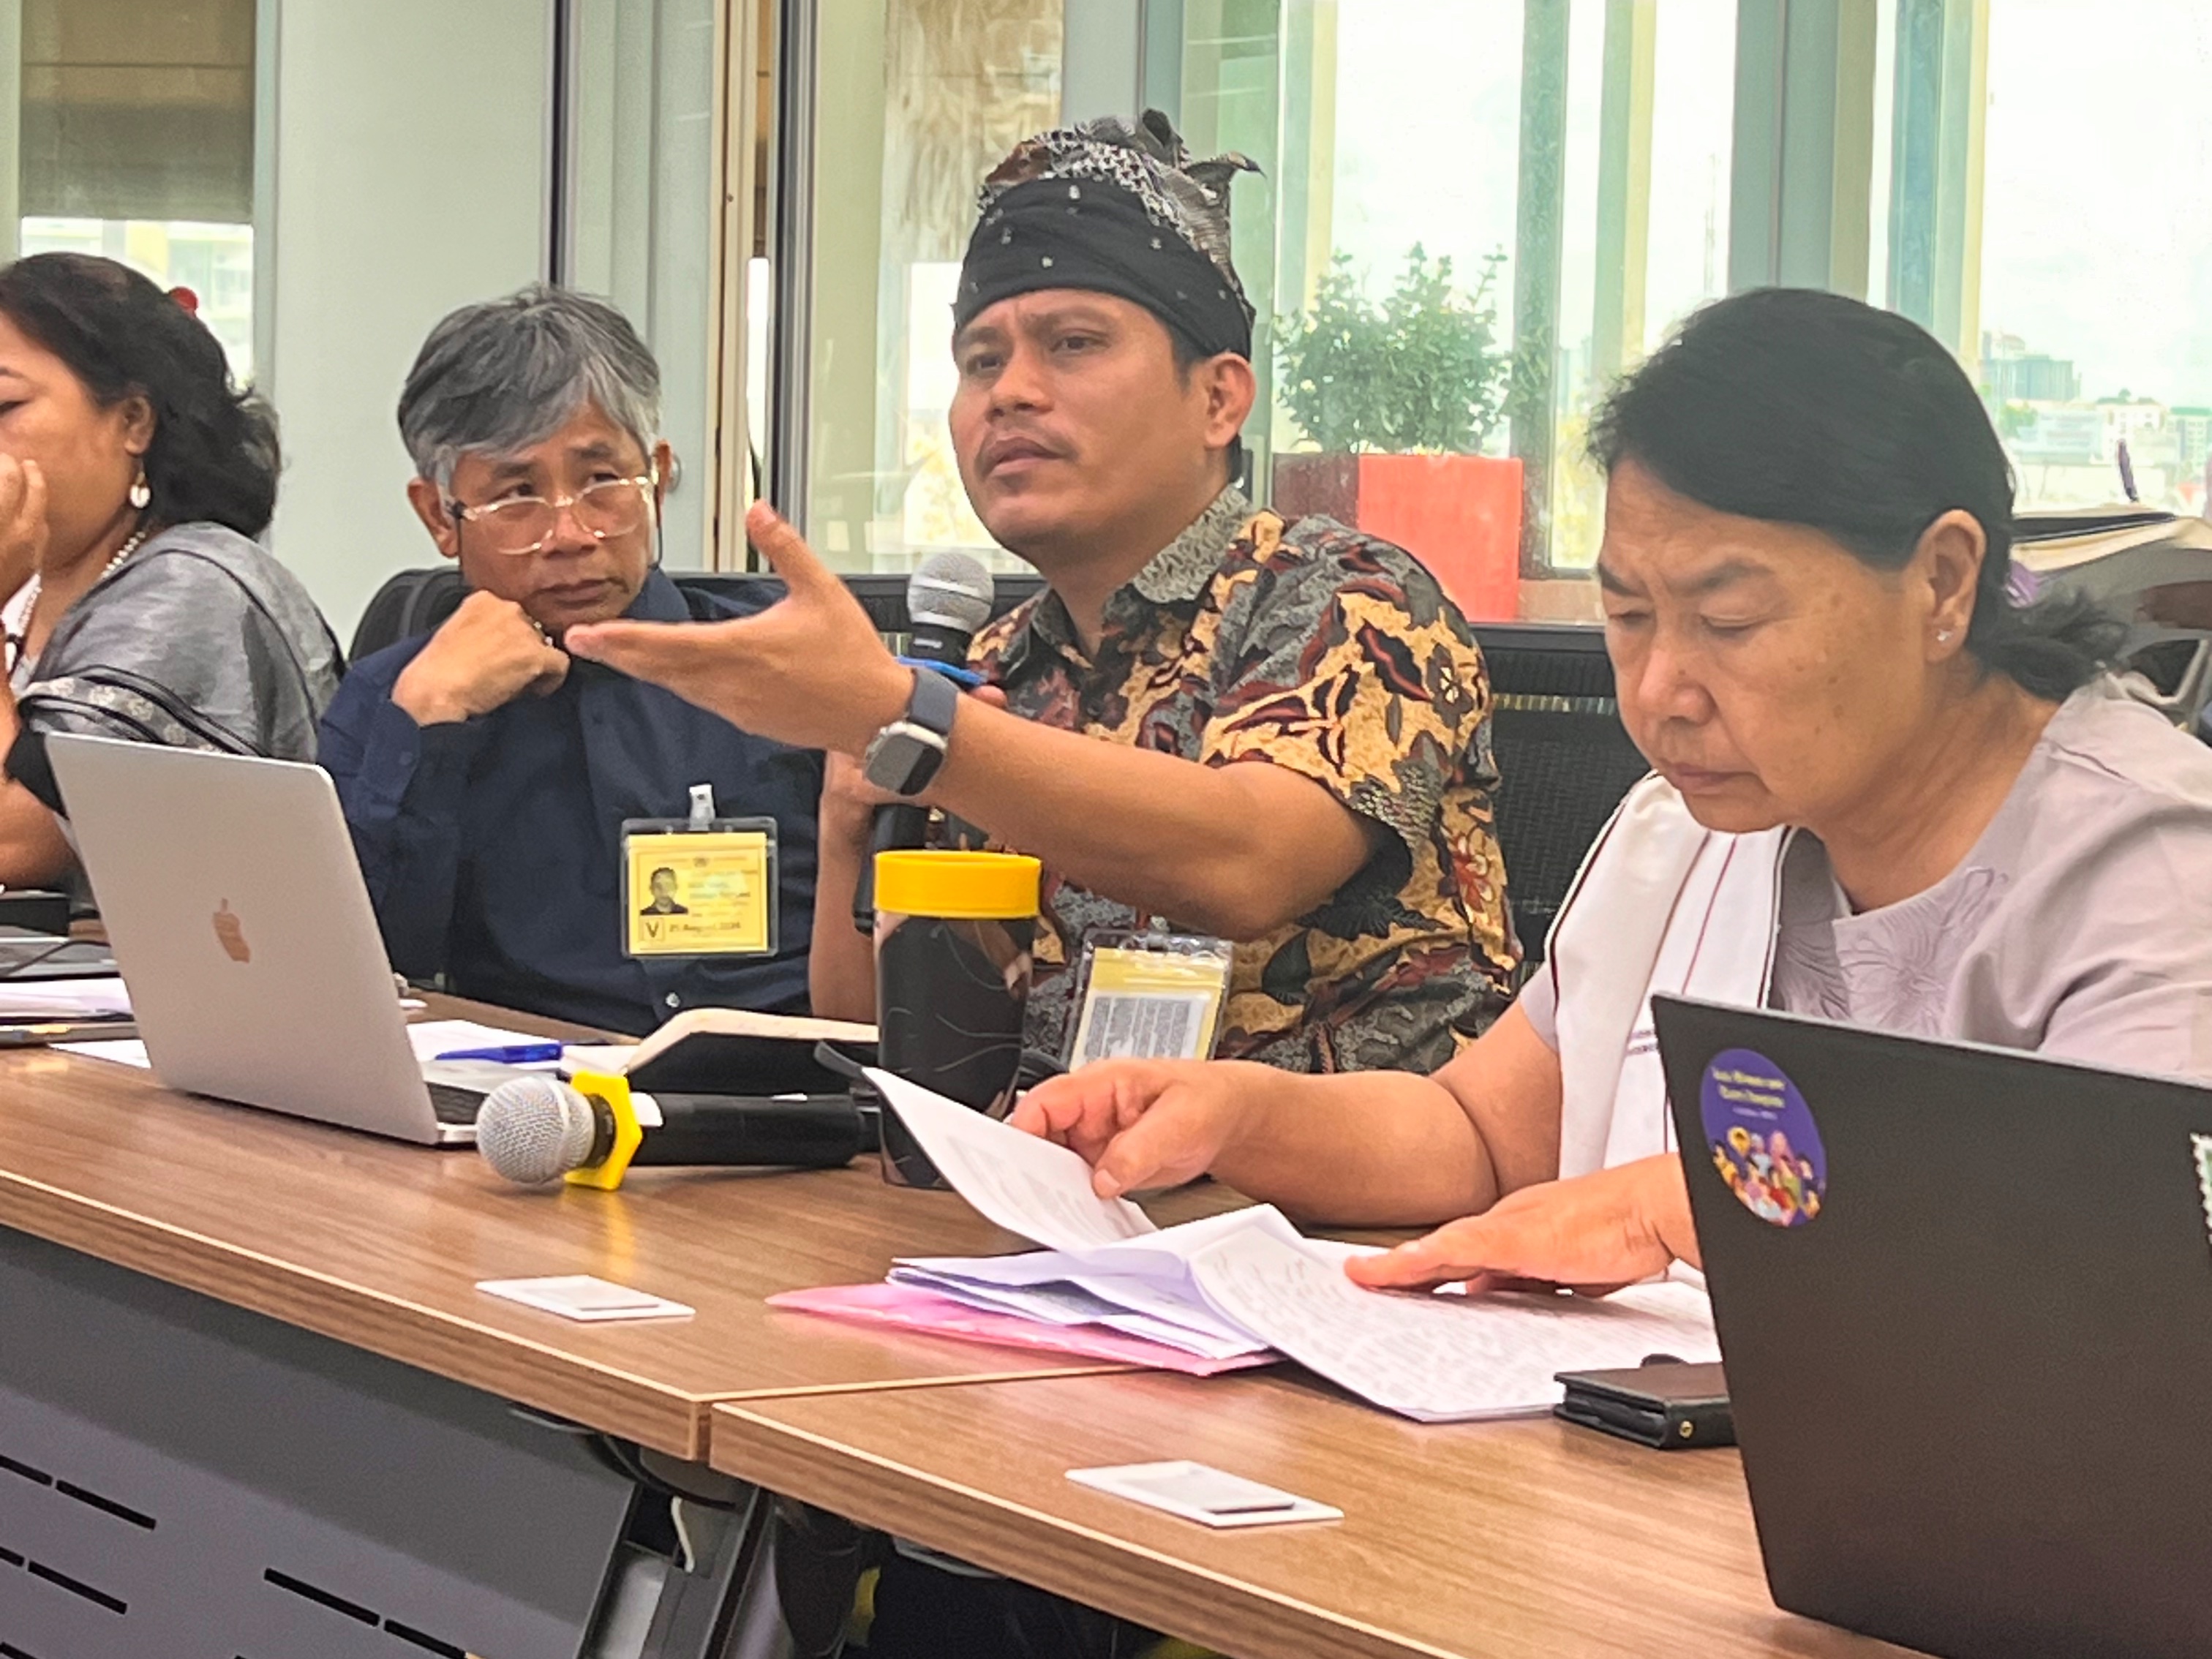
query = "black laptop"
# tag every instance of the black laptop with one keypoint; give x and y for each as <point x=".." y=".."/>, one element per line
<point x="1964" y="1302"/>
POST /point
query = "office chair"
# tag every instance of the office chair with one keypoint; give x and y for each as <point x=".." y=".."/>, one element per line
<point x="411" y="603"/>
<point x="1564" y="760"/>
<point x="415" y="602"/>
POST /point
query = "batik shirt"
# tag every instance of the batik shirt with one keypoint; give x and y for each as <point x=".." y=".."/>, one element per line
<point x="1336" y="656"/>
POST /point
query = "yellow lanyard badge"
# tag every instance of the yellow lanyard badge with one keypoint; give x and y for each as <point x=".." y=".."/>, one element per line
<point x="700" y="886"/>
<point x="1149" y="996"/>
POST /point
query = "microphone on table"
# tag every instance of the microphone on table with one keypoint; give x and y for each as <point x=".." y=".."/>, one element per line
<point x="948" y="598"/>
<point x="535" y="1129"/>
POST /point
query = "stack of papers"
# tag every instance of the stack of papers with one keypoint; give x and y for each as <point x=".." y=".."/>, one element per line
<point x="1144" y="1286"/>
<point x="430" y="1038"/>
<point x="904" y="1308"/>
<point x="104" y="998"/>
<point x="1246" y="1286"/>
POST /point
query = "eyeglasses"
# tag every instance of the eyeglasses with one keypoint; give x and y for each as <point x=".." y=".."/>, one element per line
<point x="523" y="524"/>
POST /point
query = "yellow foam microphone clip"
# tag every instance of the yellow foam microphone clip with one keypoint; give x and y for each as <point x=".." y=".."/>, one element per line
<point x="613" y="1092"/>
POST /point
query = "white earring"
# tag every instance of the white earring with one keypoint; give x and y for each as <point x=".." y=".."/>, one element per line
<point x="1942" y="636"/>
<point x="141" y="493"/>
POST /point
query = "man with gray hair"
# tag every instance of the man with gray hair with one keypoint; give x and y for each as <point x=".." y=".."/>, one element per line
<point x="495" y="787"/>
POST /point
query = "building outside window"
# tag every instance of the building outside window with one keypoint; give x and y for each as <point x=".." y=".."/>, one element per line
<point x="2044" y="194"/>
<point x="2022" y="176"/>
<point x="136" y="140"/>
<point x="1559" y="169"/>
<point x="913" y="101"/>
<point x="1501" y="206"/>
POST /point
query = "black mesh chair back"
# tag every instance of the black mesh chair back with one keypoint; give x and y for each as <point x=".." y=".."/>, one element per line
<point x="883" y="597"/>
<point x="1562" y="759"/>
<point x="1563" y="762"/>
<point x="409" y="604"/>
<point x="413" y="602"/>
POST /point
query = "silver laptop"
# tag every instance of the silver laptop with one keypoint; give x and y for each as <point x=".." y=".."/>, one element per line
<point x="236" y="910"/>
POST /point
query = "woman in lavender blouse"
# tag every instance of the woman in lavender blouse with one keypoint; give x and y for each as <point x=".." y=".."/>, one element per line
<point x="1884" y="791"/>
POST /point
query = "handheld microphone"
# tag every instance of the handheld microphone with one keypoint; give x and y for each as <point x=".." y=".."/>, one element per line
<point x="948" y="598"/>
<point x="535" y="1129"/>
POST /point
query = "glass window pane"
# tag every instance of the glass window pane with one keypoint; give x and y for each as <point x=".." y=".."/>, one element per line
<point x="2032" y="210"/>
<point x="641" y="216"/>
<point x="137" y="142"/>
<point x="915" y="100"/>
<point x="1569" y="158"/>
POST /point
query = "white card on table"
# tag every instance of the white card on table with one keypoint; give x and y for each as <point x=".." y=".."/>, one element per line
<point x="1197" y="1492"/>
<point x="579" y="1295"/>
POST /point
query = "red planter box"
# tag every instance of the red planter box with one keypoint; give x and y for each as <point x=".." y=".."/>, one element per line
<point x="1459" y="514"/>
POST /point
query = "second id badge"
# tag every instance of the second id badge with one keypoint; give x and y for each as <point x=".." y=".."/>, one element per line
<point x="700" y="886"/>
<point x="1149" y="996"/>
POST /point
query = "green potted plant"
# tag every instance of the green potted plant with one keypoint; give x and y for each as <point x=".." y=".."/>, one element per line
<point x="1398" y="398"/>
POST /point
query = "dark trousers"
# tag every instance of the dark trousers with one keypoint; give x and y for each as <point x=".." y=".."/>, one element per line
<point x="924" y="1612"/>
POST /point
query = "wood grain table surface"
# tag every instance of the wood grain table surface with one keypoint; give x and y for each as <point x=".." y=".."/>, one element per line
<point x="380" y="1244"/>
<point x="1517" y="1540"/>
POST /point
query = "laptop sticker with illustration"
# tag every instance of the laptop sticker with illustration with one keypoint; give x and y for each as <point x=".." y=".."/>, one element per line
<point x="1764" y="1145"/>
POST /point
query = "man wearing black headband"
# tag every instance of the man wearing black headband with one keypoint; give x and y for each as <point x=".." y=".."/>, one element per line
<point x="1103" y="346"/>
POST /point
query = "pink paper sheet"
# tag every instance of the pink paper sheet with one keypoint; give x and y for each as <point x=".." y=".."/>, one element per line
<point x="914" y="1310"/>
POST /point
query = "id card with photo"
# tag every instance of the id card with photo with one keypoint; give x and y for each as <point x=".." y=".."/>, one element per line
<point x="699" y="889"/>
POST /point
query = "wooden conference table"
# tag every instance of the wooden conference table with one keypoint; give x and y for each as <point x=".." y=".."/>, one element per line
<point x="260" y="1345"/>
<point x="1526" y="1537"/>
<point x="379" y="1245"/>
<point x="166" y="1344"/>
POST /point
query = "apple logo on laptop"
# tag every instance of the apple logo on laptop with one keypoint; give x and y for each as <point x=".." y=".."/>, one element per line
<point x="230" y="935"/>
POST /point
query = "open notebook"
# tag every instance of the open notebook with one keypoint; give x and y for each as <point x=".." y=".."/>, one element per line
<point x="1246" y="1284"/>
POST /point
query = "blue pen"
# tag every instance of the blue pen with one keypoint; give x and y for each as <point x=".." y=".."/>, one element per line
<point x="967" y="679"/>
<point x="513" y="1054"/>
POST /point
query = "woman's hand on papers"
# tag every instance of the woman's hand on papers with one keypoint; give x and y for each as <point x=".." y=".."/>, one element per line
<point x="1144" y="1123"/>
<point x="1595" y="1233"/>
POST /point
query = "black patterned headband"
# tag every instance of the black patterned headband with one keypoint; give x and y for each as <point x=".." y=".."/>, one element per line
<point x="1119" y="209"/>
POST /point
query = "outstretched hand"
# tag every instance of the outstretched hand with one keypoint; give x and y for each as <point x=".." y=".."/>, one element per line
<point x="1593" y="1234"/>
<point x="809" y="671"/>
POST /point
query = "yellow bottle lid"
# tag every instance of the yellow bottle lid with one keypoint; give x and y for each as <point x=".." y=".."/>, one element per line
<point x="962" y="885"/>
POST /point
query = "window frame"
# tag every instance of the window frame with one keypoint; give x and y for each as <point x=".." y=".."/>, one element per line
<point x="1799" y="189"/>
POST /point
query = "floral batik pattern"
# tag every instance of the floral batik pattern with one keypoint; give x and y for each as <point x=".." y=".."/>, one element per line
<point x="1310" y="647"/>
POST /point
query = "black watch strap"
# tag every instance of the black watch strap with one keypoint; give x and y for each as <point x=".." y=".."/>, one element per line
<point x="935" y="702"/>
<point x="906" y="754"/>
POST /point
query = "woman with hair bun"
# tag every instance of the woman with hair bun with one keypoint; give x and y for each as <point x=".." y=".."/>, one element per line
<point x="1884" y="791"/>
<point x="133" y="478"/>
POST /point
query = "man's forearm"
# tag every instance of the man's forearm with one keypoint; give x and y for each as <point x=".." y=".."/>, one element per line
<point x="841" y="962"/>
<point x="1238" y="849"/>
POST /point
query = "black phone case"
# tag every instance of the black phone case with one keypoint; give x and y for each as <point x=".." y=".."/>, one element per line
<point x="1670" y="1407"/>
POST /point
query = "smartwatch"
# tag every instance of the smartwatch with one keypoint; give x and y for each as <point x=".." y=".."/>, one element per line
<point x="905" y="755"/>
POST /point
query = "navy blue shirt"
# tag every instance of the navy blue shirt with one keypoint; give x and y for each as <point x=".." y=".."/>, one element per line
<point x="492" y="846"/>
